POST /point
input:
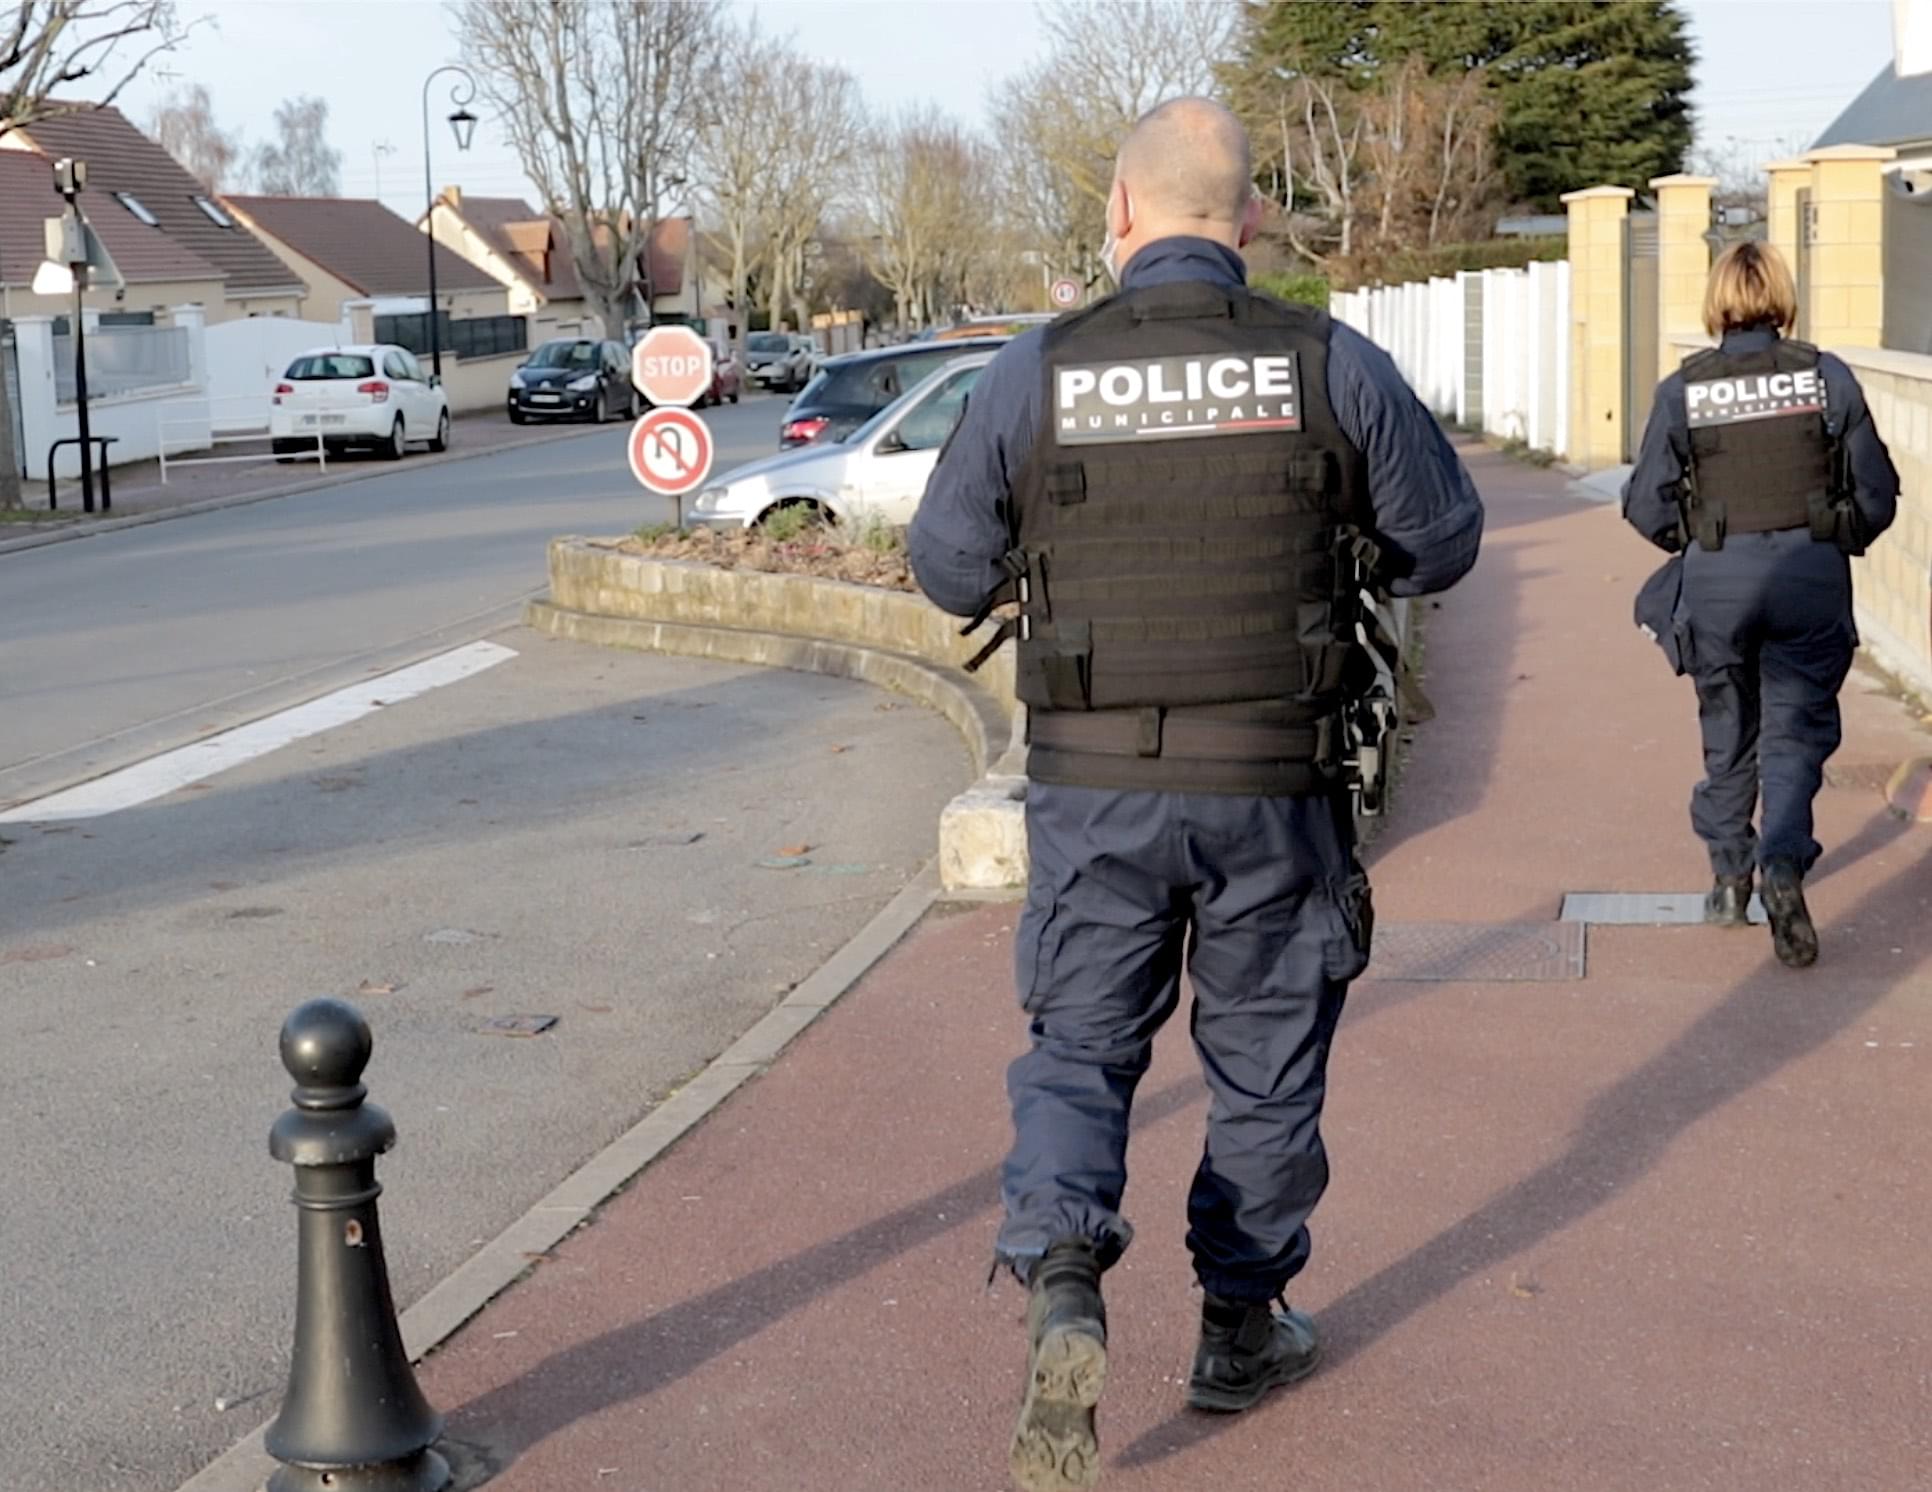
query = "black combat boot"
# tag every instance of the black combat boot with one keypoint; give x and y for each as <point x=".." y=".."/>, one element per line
<point x="1792" y="935"/>
<point x="1729" y="903"/>
<point x="1247" y="1349"/>
<point x="1054" y="1447"/>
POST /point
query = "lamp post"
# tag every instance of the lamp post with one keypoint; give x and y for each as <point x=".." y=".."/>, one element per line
<point x="463" y="124"/>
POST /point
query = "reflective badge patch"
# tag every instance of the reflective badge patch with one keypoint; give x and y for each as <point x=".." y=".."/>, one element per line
<point x="1220" y="393"/>
<point x="1754" y="396"/>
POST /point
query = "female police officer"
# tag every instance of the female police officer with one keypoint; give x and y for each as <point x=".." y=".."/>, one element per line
<point x="1761" y="464"/>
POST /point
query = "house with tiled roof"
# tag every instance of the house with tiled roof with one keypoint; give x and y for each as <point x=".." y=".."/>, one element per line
<point x="529" y="252"/>
<point x="369" y="268"/>
<point x="1895" y="109"/>
<point x="350" y="249"/>
<point x="172" y="241"/>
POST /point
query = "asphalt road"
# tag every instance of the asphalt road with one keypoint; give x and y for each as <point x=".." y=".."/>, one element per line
<point x="572" y="832"/>
<point x="123" y="644"/>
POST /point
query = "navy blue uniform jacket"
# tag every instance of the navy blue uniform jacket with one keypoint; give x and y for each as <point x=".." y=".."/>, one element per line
<point x="1427" y="514"/>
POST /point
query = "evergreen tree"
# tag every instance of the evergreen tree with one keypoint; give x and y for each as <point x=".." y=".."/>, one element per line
<point x="1588" y="91"/>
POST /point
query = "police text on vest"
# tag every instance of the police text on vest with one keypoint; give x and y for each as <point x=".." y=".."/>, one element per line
<point x="1753" y="396"/>
<point x="1222" y="393"/>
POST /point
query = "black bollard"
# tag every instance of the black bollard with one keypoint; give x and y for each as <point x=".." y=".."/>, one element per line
<point x="354" y="1419"/>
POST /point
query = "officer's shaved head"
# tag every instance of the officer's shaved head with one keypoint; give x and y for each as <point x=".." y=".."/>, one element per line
<point x="1187" y="161"/>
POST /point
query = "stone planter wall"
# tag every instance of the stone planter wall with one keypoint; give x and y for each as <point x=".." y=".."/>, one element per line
<point x="892" y="639"/>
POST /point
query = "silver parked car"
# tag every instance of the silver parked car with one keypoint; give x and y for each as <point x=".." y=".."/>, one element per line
<point x="878" y="471"/>
<point x="783" y="361"/>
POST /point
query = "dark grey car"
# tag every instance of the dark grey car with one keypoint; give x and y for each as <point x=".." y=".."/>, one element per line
<point x="574" y="378"/>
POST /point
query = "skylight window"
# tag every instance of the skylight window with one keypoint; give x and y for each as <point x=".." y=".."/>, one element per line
<point x="214" y="214"/>
<point x="133" y="204"/>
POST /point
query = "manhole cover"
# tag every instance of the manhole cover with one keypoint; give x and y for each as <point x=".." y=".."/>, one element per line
<point x="1872" y="777"/>
<point x="1474" y="953"/>
<point x="519" y="1025"/>
<point x="1642" y="908"/>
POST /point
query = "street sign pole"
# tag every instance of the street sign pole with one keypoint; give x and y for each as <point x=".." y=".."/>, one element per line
<point x="80" y="393"/>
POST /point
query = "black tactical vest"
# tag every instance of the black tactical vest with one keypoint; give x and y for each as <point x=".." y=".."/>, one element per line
<point x="1761" y="458"/>
<point x="1189" y="523"/>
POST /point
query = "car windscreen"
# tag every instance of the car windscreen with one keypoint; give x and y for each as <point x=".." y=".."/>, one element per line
<point x="768" y="342"/>
<point x="873" y="383"/>
<point x="332" y="365"/>
<point x="947" y="402"/>
<point x="565" y="355"/>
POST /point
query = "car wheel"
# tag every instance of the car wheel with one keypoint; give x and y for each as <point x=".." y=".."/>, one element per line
<point x="517" y="416"/>
<point x="441" y="442"/>
<point x="600" y="415"/>
<point x="394" y="450"/>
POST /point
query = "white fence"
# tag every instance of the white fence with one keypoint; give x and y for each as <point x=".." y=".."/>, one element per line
<point x="246" y="357"/>
<point x="1489" y="349"/>
<point x="124" y="360"/>
<point x="154" y="389"/>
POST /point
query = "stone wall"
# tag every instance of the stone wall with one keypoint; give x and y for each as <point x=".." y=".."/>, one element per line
<point x="591" y="576"/>
<point x="1894" y="581"/>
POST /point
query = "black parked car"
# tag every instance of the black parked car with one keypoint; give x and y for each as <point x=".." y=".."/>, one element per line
<point x="849" y="390"/>
<point x="574" y="378"/>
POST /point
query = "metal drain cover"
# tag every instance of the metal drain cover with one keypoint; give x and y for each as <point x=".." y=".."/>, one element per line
<point x="1475" y="953"/>
<point x="1643" y="908"/>
<point x="1861" y="776"/>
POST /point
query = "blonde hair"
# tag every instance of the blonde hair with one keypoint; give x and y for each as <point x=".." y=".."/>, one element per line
<point x="1749" y="286"/>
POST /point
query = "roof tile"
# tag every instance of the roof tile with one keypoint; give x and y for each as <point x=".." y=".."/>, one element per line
<point x="361" y="242"/>
<point x="122" y="159"/>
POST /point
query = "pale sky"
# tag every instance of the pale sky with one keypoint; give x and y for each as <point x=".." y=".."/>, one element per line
<point x="1770" y="72"/>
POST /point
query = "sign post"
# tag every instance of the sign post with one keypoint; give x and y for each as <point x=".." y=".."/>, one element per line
<point x="671" y="452"/>
<point x="670" y="448"/>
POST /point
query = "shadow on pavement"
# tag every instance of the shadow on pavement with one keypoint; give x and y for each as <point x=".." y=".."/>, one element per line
<point x="1770" y="1018"/>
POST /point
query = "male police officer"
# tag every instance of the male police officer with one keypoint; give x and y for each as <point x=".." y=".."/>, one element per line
<point x="1175" y="485"/>
<point x="1762" y="465"/>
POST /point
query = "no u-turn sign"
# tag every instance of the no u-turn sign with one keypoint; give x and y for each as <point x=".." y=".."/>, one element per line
<point x="670" y="451"/>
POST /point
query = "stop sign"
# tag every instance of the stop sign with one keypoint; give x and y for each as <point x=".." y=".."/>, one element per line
<point x="671" y="365"/>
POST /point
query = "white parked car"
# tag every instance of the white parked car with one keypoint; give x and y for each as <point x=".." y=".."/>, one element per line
<point x="376" y="395"/>
<point x="878" y="471"/>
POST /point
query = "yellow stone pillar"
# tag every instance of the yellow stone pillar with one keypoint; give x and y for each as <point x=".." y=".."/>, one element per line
<point x="1846" y="245"/>
<point x="1785" y="179"/>
<point x="1596" y="324"/>
<point x="1683" y="262"/>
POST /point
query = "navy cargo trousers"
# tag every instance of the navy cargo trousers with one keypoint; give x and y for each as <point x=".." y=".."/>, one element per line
<point x="1771" y="639"/>
<point x="1260" y="901"/>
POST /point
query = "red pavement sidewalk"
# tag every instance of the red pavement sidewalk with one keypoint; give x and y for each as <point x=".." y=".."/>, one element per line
<point x="1665" y="1227"/>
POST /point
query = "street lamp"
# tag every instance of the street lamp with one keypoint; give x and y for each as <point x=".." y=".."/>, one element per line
<point x="462" y="124"/>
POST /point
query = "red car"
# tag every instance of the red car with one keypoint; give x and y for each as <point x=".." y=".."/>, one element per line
<point x="726" y="381"/>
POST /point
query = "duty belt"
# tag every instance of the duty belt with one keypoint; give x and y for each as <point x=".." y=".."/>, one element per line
<point x="1156" y="732"/>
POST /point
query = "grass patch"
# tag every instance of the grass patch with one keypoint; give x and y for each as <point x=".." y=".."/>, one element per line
<point x="791" y="523"/>
<point x="1522" y="450"/>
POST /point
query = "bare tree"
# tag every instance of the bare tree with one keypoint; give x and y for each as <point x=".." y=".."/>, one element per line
<point x="604" y="103"/>
<point x="46" y="48"/>
<point x="1060" y="122"/>
<point x="185" y="125"/>
<point x="772" y="166"/>
<point x="300" y="163"/>
<point x="926" y="190"/>
<point x="1363" y="173"/>
<point x="733" y="154"/>
<point x="824" y="126"/>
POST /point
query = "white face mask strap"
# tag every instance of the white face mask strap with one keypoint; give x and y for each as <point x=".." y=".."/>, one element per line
<point x="1110" y="248"/>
